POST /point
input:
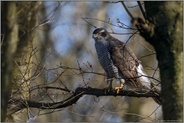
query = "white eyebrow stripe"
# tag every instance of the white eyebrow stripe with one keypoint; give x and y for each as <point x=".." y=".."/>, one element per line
<point x="102" y="30"/>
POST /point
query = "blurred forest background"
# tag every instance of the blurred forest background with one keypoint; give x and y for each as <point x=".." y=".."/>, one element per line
<point x="53" y="47"/>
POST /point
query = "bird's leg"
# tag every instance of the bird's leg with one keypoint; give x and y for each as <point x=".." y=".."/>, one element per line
<point x="122" y="81"/>
<point x="109" y="82"/>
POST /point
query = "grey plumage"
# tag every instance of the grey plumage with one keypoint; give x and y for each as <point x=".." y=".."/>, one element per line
<point x="105" y="58"/>
<point x="119" y="61"/>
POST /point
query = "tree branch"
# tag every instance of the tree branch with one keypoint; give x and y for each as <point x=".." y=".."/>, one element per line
<point x="76" y="95"/>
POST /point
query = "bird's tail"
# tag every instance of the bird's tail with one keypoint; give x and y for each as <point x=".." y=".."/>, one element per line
<point x="147" y="84"/>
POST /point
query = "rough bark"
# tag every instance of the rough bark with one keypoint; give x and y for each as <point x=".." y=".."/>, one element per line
<point x="163" y="30"/>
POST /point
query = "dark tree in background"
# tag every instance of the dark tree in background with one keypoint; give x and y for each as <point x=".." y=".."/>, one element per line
<point x="29" y="60"/>
<point x="19" y="37"/>
<point x="163" y="29"/>
<point x="9" y="46"/>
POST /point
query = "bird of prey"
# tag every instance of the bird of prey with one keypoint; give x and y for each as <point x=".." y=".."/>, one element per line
<point x="119" y="62"/>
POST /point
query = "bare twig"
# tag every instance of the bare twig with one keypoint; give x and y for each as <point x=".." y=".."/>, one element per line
<point x="127" y="10"/>
<point x="120" y="24"/>
<point x="89" y="23"/>
<point x="143" y="13"/>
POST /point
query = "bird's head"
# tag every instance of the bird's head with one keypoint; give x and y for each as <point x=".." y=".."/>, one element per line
<point x="100" y="33"/>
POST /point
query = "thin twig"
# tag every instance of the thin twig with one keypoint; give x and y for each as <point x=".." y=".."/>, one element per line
<point x="127" y="10"/>
<point x="89" y="23"/>
<point x="143" y="13"/>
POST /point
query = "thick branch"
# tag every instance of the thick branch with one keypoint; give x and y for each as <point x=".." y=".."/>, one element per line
<point x="79" y="92"/>
<point x="103" y="92"/>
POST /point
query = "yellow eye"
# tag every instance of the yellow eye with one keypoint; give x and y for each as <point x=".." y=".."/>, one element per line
<point x="103" y="34"/>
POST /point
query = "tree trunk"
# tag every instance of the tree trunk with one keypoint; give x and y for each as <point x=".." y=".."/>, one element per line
<point x="166" y="21"/>
<point x="9" y="45"/>
<point x="23" y="58"/>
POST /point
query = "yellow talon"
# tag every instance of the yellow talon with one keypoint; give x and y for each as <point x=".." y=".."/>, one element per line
<point x="118" y="88"/>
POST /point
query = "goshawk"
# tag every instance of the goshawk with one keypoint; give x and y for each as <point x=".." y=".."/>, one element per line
<point x="120" y="62"/>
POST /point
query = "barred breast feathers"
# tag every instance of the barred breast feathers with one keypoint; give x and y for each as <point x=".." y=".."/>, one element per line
<point x="105" y="58"/>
